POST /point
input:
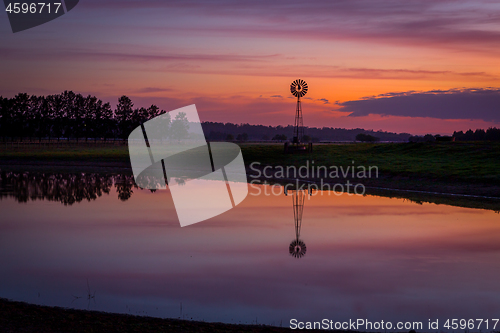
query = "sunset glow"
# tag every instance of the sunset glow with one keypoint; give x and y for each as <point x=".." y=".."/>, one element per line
<point x="235" y="60"/>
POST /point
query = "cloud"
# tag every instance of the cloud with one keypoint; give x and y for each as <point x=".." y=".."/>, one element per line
<point x="277" y="96"/>
<point x="152" y="90"/>
<point x="458" y="23"/>
<point x="324" y="100"/>
<point x="264" y="63"/>
<point x="442" y="104"/>
<point x="129" y="56"/>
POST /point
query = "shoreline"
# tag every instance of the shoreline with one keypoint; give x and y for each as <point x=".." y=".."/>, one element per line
<point x="425" y="192"/>
<point x="459" y="174"/>
<point x="18" y="316"/>
<point x="415" y="190"/>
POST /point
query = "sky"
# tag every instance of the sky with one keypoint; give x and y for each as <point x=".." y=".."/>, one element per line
<point x="401" y="66"/>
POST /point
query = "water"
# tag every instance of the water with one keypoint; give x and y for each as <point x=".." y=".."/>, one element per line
<point x="97" y="242"/>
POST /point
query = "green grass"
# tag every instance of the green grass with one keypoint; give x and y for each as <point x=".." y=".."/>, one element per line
<point x="470" y="168"/>
<point x="470" y="162"/>
<point x="453" y="161"/>
<point x="72" y="153"/>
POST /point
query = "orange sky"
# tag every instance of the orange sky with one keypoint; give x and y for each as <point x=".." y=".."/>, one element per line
<point x="235" y="60"/>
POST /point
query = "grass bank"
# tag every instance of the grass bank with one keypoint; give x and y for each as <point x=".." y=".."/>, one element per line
<point x="23" y="317"/>
<point x="468" y="161"/>
<point x="465" y="168"/>
<point x="451" y="161"/>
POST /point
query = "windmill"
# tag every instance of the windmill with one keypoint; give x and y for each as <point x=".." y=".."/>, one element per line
<point x="298" y="88"/>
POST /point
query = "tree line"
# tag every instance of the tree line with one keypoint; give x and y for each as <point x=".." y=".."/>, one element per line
<point x="70" y="115"/>
<point x="217" y="131"/>
<point x="74" y="116"/>
<point x="491" y="134"/>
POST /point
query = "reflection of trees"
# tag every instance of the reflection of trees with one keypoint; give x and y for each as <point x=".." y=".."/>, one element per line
<point x="65" y="188"/>
<point x="180" y="181"/>
<point x="124" y="184"/>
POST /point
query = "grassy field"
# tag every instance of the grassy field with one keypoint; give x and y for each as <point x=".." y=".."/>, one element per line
<point x="45" y="154"/>
<point x="477" y="161"/>
<point x="469" y="168"/>
<point x="471" y="162"/>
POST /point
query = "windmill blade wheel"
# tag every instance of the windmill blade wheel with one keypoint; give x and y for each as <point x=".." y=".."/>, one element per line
<point x="298" y="88"/>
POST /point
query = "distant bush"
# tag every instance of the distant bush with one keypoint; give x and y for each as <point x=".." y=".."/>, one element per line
<point x="242" y="137"/>
<point x="444" y="138"/>
<point x="425" y="138"/>
<point x="280" y="137"/>
<point x="366" y="138"/>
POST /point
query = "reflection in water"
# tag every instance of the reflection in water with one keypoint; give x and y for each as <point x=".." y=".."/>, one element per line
<point x="124" y="185"/>
<point x="374" y="258"/>
<point x="297" y="247"/>
<point x="65" y="188"/>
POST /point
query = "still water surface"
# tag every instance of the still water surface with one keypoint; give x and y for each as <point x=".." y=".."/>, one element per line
<point x="367" y="257"/>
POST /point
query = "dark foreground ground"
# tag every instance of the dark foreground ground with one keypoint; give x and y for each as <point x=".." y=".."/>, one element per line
<point x="23" y="317"/>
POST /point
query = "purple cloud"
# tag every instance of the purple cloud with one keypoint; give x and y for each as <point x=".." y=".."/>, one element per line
<point x="153" y="90"/>
<point x="449" y="104"/>
<point x="398" y="22"/>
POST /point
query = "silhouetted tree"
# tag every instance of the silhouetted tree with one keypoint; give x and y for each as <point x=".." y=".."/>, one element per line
<point x="180" y="126"/>
<point x="242" y="137"/>
<point x="41" y="117"/>
<point x="469" y="135"/>
<point x="57" y="115"/>
<point x="153" y="111"/>
<point x="479" y="135"/>
<point x="366" y="138"/>
<point x="279" y="137"/>
<point x="19" y="111"/>
<point x="425" y="138"/>
<point x="493" y="134"/>
<point x="5" y="117"/>
<point x="123" y="115"/>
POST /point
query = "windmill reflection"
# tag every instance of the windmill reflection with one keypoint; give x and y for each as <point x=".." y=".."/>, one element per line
<point x="297" y="247"/>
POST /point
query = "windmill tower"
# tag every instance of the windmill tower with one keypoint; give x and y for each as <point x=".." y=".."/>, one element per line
<point x="298" y="88"/>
